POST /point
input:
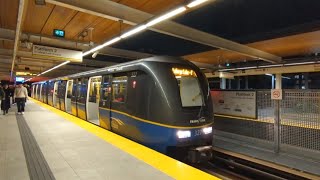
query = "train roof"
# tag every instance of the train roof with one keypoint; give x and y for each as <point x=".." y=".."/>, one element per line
<point x="164" y="59"/>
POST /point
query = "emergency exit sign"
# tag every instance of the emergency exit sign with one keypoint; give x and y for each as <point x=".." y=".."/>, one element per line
<point x="58" y="33"/>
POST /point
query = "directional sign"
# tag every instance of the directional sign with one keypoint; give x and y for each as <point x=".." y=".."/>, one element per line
<point x="276" y="94"/>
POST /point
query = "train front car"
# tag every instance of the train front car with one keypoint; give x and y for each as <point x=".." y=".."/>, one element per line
<point x="181" y="105"/>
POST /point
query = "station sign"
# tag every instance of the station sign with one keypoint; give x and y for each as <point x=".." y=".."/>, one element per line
<point x="276" y="94"/>
<point x="57" y="53"/>
<point x="235" y="103"/>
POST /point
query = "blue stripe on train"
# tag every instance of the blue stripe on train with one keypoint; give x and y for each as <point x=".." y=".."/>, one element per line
<point x="154" y="136"/>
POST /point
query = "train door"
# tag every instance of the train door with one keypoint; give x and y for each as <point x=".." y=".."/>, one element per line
<point x="74" y="96"/>
<point x="35" y="91"/>
<point x="32" y="95"/>
<point x="62" y="94"/>
<point x="68" y="96"/>
<point x="36" y="95"/>
<point x="56" y="103"/>
<point x="82" y="98"/>
<point x="44" y="92"/>
<point x="50" y="92"/>
<point x="105" y="102"/>
<point x="40" y="94"/>
<point x="93" y="98"/>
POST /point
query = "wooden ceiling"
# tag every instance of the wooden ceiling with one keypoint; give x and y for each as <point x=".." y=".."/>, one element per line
<point x="43" y="19"/>
<point x="301" y="44"/>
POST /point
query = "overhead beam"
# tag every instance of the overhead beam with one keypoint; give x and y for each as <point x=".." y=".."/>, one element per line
<point x="27" y="56"/>
<point x="8" y="34"/>
<point x="23" y="4"/>
<point x="115" y="11"/>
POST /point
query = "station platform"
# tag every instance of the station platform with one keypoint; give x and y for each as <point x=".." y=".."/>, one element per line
<point x="46" y="143"/>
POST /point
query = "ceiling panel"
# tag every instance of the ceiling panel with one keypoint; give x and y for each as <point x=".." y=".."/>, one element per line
<point x="159" y="6"/>
<point x="301" y="44"/>
<point x="58" y="19"/>
<point x="8" y="13"/>
<point x="151" y="6"/>
<point x="8" y="44"/>
<point x="78" y="24"/>
<point x="107" y="29"/>
<point x="36" y="17"/>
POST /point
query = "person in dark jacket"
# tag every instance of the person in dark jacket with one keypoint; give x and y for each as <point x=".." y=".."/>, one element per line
<point x="5" y="104"/>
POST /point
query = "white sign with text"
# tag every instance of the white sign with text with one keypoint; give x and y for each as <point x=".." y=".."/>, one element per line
<point x="57" y="53"/>
<point x="235" y="103"/>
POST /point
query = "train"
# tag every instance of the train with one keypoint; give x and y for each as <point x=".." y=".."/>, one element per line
<point x="161" y="102"/>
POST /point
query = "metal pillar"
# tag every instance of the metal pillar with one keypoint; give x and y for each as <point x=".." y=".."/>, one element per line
<point x="229" y="83"/>
<point x="246" y="82"/>
<point x="223" y="83"/>
<point x="277" y="123"/>
<point x="306" y="80"/>
<point x="238" y="82"/>
<point x="272" y="82"/>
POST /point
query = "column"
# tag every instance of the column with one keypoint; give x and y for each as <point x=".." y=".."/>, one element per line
<point x="306" y="80"/>
<point x="223" y="83"/>
<point x="229" y="83"/>
<point x="277" y="123"/>
<point x="278" y="81"/>
<point x="238" y="82"/>
<point x="246" y="82"/>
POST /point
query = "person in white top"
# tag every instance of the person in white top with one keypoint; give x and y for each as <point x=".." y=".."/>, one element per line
<point x="20" y="96"/>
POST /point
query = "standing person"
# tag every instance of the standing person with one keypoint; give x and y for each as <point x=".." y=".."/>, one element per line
<point x="20" y="96"/>
<point x="1" y="96"/>
<point x="5" y="105"/>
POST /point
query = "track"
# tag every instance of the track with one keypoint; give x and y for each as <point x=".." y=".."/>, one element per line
<point x="228" y="167"/>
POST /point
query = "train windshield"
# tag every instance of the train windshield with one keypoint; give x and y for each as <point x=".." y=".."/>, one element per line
<point x="189" y="87"/>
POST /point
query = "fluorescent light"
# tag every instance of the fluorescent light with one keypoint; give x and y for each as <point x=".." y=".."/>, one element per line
<point x="166" y="16"/>
<point x="183" y="134"/>
<point x="102" y="46"/>
<point x="196" y="3"/>
<point x="273" y="65"/>
<point x="134" y="31"/>
<point x="207" y="130"/>
<point x="302" y="63"/>
<point x="268" y="74"/>
<point x="64" y="63"/>
<point x="284" y="77"/>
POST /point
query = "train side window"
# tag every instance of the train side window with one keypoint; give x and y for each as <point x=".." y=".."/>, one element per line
<point x="119" y="89"/>
<point x="69" y="90"/>
<point x="105" y="88"/>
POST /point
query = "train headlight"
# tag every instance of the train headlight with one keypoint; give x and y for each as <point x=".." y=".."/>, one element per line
<point x="183" y="134"/>
<point x="207" y="130"/>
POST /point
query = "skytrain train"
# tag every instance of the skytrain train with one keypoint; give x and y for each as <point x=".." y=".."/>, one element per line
<point x="161" y="102"/>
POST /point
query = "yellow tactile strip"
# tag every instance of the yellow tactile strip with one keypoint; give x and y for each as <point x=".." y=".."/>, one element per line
<point x="165" y="164"/>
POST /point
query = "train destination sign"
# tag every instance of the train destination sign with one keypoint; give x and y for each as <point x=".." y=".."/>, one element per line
<point x="57" y="53"/>
<point x="235" y="103"/>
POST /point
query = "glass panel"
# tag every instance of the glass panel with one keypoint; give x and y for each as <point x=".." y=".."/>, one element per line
<point x="119" y="89"/>
<point x="69" y="91"/>
<point x="189" y="87"/>
<point x="94" y="91"/>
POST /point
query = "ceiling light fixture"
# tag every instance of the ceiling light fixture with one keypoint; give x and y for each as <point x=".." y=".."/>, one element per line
<point x="102" y="46"/>
<point x="196" y="3"/>
<point x="166" y="16"/>
<point x="64" y="63"/>
<point x="133" y="31"/>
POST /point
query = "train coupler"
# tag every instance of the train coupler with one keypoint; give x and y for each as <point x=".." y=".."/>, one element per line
<point x="200" y="154"/>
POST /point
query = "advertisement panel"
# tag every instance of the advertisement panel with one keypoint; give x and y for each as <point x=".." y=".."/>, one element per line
<point x="235" y="103"/>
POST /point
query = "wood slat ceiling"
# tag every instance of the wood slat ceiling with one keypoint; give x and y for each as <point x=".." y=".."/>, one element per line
<point x="43" y="19"/>
<point x="151" y="6"/>
<point x="8" y="13"/>
<point x="301" y="44"/>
